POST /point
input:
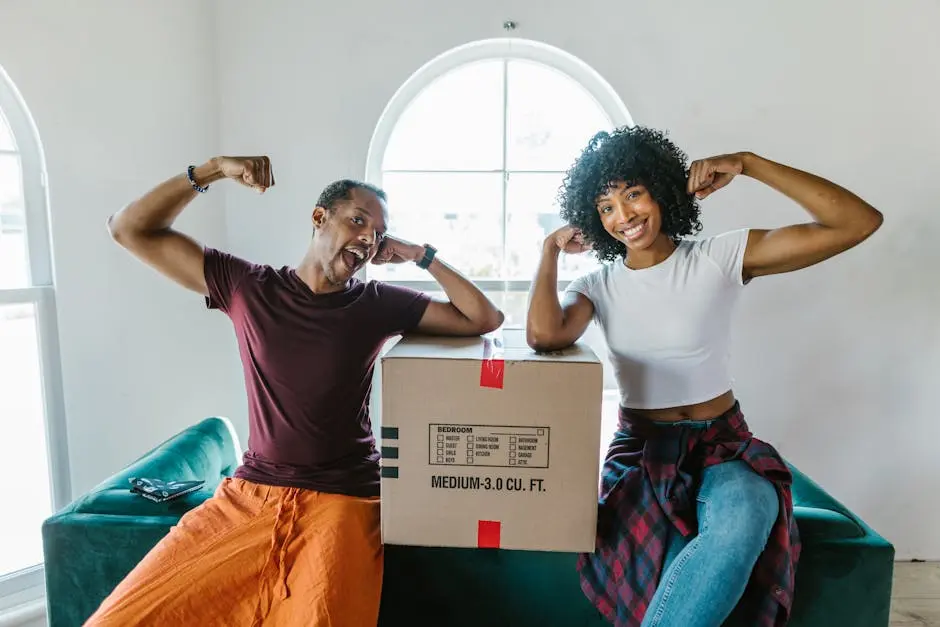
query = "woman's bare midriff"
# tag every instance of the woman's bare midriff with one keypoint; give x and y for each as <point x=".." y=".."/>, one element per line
<point x="699" y="411"/>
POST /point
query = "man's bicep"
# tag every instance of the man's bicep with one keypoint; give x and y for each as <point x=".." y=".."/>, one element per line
<point x="173" y="254"/>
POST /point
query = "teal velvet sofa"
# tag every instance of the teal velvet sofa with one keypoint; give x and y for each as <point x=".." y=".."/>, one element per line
<point x="844" y="576"/>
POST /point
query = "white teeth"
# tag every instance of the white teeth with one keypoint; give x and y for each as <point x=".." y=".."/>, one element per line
<point x="634" y="230"/>
<point x="359" y="253"/>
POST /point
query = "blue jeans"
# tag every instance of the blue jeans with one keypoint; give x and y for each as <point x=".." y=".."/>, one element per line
<point x="705" y="576"/>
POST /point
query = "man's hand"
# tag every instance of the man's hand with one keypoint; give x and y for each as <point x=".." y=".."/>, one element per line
<point x="569" y="240"/>
<point x="253" y="172"/>
<point x="709" y="175"/>
<point x="393" y="250"/>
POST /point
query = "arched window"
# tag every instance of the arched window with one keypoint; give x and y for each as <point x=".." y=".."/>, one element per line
<point x="472" y="150"/>
<point x="34" y="462"/>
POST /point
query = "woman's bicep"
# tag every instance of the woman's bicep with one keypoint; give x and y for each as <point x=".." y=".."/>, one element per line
<point x="577" y="313"/>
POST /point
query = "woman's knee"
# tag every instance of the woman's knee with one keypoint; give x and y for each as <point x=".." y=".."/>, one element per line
<point x="742" y="506"/>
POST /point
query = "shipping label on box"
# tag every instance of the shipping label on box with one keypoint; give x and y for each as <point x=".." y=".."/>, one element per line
<point x="486" y="443"/>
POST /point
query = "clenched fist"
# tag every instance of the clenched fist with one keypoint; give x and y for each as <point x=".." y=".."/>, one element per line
<point x="709" y="175"/>
<point x="253" y="172"/>
<point x="394" y="250"/>
<point x="569" y="240"/>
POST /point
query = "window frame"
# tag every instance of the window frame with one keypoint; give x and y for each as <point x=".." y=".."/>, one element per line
<point x="504" y="49"/>
<point x="27" y="584"/>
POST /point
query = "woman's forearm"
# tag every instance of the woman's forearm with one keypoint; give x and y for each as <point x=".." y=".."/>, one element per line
<point x="545" y="318"/>
<point x="829" y="204"/>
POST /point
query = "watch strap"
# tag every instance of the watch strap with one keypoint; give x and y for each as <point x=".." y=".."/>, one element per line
<point x="425" y="262"/>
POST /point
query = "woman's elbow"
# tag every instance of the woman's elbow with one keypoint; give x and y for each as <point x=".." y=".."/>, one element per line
<point x="542" y="341"/>
<point x="867" y="227"/>
<point x="875" y="223"/>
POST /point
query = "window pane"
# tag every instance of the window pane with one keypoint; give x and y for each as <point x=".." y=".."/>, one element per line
<point x="6" y="135"/>
<point x="532" y="214"/>
<point x="551" y="118"/>
<point x="23" y="463"/>
<point x="459" y="214"/>
<point x="456" y="123"/>
<point x="13" y="259"/>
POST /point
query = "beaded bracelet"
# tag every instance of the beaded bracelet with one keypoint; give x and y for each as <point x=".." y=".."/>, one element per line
<point x="192" y="181"/>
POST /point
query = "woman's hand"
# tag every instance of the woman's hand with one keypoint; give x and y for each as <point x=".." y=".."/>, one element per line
<point x="569" y="240"/>
<point x="709" y="175"/>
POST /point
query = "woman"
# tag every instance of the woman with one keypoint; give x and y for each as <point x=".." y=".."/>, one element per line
<point x="695" y="517"/>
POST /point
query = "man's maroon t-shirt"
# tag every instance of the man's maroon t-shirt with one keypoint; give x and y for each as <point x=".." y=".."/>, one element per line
<point x="308" y="361"/>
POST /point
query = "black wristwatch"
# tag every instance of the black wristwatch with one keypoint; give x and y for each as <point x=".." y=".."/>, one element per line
<point x="425" y="261"/>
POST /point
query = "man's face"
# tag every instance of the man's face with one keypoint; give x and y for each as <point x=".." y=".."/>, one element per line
<point x="348" y="235"/>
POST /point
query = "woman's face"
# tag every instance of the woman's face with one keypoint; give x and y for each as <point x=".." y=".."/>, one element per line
<point x="630" y="215"/>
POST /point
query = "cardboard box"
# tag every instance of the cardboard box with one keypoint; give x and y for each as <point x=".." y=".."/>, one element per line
<point x="486" y="443"/>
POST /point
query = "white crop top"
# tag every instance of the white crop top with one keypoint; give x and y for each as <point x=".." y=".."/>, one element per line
<point x="668" y="327"/>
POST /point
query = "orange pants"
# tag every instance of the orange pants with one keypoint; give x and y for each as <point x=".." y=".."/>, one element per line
<point x="259" y="555"/>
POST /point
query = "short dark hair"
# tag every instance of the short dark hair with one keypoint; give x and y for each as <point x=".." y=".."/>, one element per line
<point x="636" y="156"/>
<point x="340" y="190"/>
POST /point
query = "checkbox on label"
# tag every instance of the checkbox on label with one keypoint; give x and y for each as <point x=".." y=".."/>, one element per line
<point x="541" y="431"/>
<point x="512" y="439"/>
<point x="470" y="438"/>
<point x="512" y="462"/>
<point x="440" y="437"/>
<point x="469" y="460"/>
<point x="512" y="454"/>
<point x="469" y="446"/>
<point x="440" y="460"/>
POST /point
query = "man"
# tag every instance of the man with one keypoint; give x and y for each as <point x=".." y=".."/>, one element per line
<point x="294" y="537"/>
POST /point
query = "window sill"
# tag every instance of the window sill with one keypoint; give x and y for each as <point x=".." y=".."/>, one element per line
<point x="17" y="612"/>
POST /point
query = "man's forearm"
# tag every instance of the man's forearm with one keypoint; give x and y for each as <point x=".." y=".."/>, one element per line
<point x="465" y="296"/>
<point x="157" y="209"/>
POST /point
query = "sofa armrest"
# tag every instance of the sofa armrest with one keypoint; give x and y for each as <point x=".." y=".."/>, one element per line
<point x="809" y="494"/>
<point x="207" y="451"/>
<point x="87" y="555"/>
<point x="91" y="545"/>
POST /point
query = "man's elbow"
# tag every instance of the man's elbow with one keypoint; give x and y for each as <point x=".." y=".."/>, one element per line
<point x="124" y="232"/>
<point x="117" y="233"/>
<point x="118" y="229"/>
<point x="491" y="322"/>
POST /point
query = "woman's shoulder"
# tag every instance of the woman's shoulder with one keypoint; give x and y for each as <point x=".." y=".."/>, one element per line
<point x="725" y="250"/>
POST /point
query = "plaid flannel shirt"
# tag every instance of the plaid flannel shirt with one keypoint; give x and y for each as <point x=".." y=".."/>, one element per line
<point x="649" y="483"/>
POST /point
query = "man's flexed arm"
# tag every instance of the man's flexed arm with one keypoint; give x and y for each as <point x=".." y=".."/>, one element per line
<point x="145" y="226"/>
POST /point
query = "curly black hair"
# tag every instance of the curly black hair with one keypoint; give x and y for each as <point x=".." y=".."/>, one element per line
<point x="636" y="156"/>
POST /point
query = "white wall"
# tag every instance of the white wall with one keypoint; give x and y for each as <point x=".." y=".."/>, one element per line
<point x="124" y="96"/>
<point x="835" y="365"/>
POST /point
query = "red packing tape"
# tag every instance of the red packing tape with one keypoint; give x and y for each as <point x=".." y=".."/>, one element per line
<point x="491" y="369"/>
<point x="488" y="532"/>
